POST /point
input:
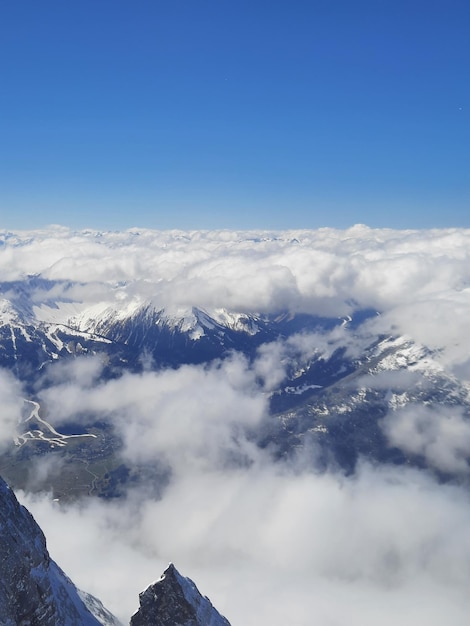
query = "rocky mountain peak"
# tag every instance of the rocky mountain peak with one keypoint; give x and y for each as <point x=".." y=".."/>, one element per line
<point x="175" y="600"/>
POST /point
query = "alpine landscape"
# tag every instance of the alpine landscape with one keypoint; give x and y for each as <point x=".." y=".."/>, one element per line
<point x="257" y="407"/>
<point x="234" y="313"/>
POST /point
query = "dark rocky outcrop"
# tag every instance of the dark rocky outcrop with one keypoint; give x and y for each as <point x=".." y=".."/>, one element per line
<point x="174" y="600"/>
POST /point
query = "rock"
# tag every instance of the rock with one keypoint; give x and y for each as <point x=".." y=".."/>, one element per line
<point x="175" y="601"/>
<point x="34" y="591"/>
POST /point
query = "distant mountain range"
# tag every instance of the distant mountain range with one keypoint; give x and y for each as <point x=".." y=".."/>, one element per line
<point x="36" y="329"/>
<point x="332" y="403"/>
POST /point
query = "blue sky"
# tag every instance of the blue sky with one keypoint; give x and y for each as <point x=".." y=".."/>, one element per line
<point x="247" y="114"/>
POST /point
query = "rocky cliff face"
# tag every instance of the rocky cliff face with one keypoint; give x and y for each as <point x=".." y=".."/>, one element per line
<point x="33" y="589"/>
<point x="175" y="601"/>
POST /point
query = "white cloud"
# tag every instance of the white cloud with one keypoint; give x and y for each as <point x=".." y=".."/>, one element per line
<point x="194" y="414"/>
<point x="268" y="542"/>
<point x="273" y="546"/>
<point x="441" y="435"/>
<point x="303" y="270"/>
<point x="83" y="372"/>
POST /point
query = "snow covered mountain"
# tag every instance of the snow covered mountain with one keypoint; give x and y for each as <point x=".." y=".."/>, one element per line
<point x="355" y="415"/>
<point x="336" y="399"/>
<point x="175" y="600"/>
<point x="42" y="321"/>
<point x="33" y="589"/>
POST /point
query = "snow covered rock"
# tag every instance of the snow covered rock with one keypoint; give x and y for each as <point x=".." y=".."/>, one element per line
<point x="175" y="601"/>
<point x="34" y="591"/>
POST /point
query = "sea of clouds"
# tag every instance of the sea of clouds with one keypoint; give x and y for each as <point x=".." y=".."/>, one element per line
<point x="271" y="543"/>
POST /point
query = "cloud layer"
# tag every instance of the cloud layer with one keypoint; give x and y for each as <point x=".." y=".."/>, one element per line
<point x="273" y="546"/>
<point x="376" y="266"/>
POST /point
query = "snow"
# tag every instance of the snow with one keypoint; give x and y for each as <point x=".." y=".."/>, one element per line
<point x="405" y="353"/>
<point x="54" y="438"/>
<point x="302" y="389"/>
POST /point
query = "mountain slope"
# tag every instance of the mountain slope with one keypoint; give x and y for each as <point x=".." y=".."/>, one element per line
<point x="349" y="417"/>
<point x="33" y="589"/>
<point x="174" y="600"/>
<point x="41" y="323"/>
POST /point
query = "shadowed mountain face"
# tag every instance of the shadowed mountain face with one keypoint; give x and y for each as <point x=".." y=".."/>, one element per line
<point x="175" y="600"/>
<point x="33" y="589"/>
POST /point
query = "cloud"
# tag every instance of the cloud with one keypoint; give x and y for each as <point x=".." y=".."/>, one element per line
<point x="317" y="271"/>
<point x="271" y="545"/>
<point x="441" y="435"/>
<point x="418" y="280"/>
<point x="439" y="321"/>
<point x="268" y="542"/>
<point x="193" y="414"/>
<point x="82" y="372"/>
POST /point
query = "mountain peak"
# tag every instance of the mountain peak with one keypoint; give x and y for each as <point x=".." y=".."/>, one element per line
<point x="175" y="599"/>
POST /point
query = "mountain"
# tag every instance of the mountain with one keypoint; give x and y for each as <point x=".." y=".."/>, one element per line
<point x="175" y="601"/>
<point x="346" y="419"/>
<point x="333" y="403"/>
<point x="34" y="590"/>
<point x="44" y="323"/>
<point x="40" y="323"/>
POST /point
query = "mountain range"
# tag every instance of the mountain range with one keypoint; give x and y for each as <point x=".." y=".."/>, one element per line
<point x="333" y="400"/>
<point x="337" y="399"/>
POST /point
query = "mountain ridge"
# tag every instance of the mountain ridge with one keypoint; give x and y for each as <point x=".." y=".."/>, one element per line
<point x="33" y="589"/>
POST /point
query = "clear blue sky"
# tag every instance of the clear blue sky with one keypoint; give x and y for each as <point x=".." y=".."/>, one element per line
<point x="235" y="114"/>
